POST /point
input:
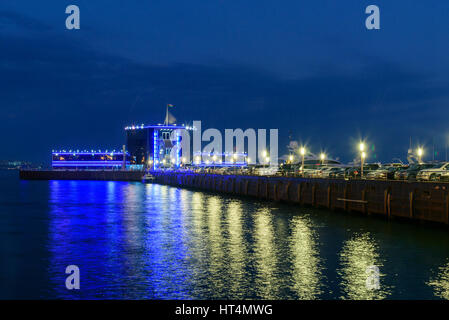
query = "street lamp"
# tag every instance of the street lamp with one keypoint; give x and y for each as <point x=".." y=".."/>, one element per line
<point x="265" y="156"/>
<point x="303" y="153"/>
<point x="322" y="157"/>
<point x="290" y="158"/>
<point x="420" y="153"/>
<point x="214" y="159"/>
<point x="362" y="157"/>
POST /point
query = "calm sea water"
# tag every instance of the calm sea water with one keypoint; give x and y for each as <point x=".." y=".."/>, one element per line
<point x="144" y="241"/>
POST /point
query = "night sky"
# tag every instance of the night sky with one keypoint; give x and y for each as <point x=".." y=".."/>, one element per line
<point x="309" y="67"/>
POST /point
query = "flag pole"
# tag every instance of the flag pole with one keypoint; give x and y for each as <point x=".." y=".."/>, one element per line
<point x="166" y="115"/>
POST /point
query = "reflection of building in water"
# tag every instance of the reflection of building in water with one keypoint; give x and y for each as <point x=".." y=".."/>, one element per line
<point x="307" y="269"/>
<point x="357" y="255"/>
<point x="265" y="256"/>
<point x="440" y="282"/>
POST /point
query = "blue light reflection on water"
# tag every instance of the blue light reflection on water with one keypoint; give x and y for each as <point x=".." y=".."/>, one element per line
<point x="136" y="241"/>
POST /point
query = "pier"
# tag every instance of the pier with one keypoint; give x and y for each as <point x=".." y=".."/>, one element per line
<point x="420" y="201"/>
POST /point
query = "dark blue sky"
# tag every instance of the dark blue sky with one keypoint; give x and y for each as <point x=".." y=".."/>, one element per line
<point x="309" y="67"/>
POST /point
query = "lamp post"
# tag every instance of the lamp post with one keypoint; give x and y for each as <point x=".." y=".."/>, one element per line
<point x="322" y="157"/>
<point x="264" y="156"/>
<point x="420" y="153"/>
<point x="362" y="157"/>
<point x="183" y="161"/>
<point x="290" y="158"/>
<point x="303" y="153"/>
<point x="214" y="159"/>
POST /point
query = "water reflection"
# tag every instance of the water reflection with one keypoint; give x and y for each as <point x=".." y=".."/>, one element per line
<point x="217" y="265"/>
<point x="265" y="255"/>
<point x="237" y="249"/>
<point x="306" y="265"/>
<point x="440" y="282"/>
<point x="139" y="241"/>
<point x="357" y="254"/>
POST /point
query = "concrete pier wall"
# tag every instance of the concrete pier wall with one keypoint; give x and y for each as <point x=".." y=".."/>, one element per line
<point x="418" y="200"/>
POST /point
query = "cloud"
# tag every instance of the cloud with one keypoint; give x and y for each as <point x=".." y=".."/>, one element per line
<point x="63" y="93"/>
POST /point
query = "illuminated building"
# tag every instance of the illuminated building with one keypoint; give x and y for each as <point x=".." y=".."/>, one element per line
<point x="152" y="145"/>
<point x="89" y="160"/>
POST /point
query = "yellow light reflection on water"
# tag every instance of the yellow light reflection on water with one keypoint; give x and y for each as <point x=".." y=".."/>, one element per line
<point x="307" y="268"/>
<point x="236" y="249"/>
<point x="216" y="243"/>
<point x="265" y="255"/>
<point x="440" y="283"/>
<point x="356" y="256"/>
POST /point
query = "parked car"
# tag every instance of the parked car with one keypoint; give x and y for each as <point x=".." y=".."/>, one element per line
<point x="323" y="172"/>
<point x="439" y="172"/>
<point x="398" y="174"/>
<point x="383" y="173"/>
<point x="328" y="172"/>
<point x="355" y="172"/>
<point x="309" y="172"/>
<point x="337" y="173"/>
<point x="411" y="172"/>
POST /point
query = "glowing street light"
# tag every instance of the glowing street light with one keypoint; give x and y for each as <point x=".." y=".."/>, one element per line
<point x="420" y="153"/>
<point x="322" y="157"/>
<point x="362" y="157"/>
<point x="361" y="147"/>
<point x="303" y="154"/>
<point x="290" y="158"/>
<point x="265" y="156"/>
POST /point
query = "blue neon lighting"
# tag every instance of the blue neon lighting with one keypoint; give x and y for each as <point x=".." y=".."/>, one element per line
<point x="155" y="149"/>
<point x="87" y="163"/>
